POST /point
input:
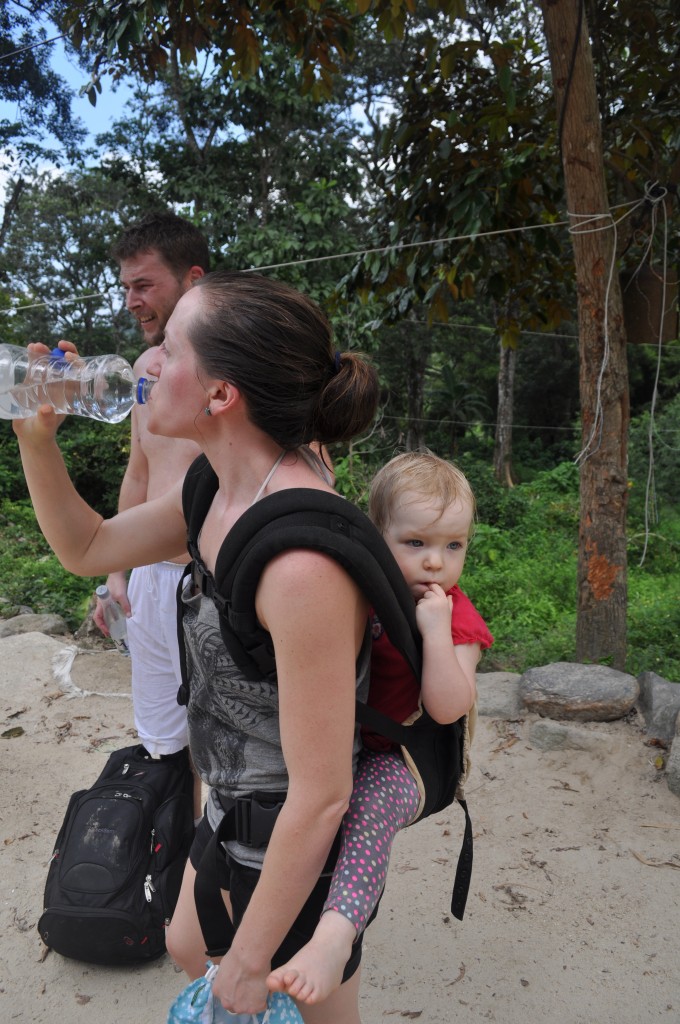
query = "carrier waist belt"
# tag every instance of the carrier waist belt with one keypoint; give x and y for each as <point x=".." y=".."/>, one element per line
<point x="250" y="819"/>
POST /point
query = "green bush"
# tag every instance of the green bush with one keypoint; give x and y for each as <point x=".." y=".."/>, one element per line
<point x="520" y="571"/>
<point x="665" y="446"/>
<point x="96" y="455"/>
<point x="31" y="575"/>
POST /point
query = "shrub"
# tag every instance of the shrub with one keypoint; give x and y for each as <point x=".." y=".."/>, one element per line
<point x="31" y="575"/>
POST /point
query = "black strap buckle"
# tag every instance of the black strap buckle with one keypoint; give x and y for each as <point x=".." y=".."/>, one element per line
<point x="255" y="817"/>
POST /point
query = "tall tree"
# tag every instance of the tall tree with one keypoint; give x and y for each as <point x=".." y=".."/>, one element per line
<point x="41" y="126"/>
<point x="602" y="563"/>
<point x="58" y="248"/>
<point x="40" y="97"/>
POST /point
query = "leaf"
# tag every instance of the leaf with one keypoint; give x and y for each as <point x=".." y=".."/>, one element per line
<point x="448" y="62"/>
<point x="10" y="734"/>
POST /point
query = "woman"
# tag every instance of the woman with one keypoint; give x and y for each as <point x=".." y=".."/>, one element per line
<point x="248" y="371"/>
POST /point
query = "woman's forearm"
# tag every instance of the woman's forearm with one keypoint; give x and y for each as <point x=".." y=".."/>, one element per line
<point x="297" y="852"/>
<point x="84" y="542"/>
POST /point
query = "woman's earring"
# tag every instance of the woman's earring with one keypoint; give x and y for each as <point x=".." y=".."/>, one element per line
<point x="207" y="411"/>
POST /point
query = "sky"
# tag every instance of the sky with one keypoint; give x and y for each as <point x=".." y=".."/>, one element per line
<point x="110" y="104"/>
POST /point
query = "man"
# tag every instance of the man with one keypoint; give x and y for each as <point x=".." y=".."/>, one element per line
<point x="159" y="260"/>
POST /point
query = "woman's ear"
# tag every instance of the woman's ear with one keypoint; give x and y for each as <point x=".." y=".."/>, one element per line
<point x="222" y="397"/>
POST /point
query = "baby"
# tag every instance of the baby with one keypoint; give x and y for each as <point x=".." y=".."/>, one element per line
<point x="424" y="507"/>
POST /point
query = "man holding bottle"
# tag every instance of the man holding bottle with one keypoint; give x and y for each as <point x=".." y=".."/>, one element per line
<point x="159" y="260"/>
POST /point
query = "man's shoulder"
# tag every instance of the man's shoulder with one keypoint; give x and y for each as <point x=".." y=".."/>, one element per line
<point x="143" y="360"/>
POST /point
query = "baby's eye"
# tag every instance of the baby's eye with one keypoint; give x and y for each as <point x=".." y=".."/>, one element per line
<point x="455" y="545"/>
<point x="414" y="543"/>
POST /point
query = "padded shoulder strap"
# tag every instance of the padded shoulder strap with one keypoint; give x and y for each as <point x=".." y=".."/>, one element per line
<point x="198" y="491"/>
<point x="311" y="519"/>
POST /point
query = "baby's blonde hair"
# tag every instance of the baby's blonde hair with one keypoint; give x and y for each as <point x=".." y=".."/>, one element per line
<point x="423" y="472"/>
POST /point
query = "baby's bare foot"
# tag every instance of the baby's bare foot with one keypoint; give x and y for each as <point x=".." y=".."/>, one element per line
<point x="316" y="970"/>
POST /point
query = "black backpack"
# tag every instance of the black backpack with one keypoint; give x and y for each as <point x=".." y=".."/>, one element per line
<point x="308" y="518"/>
<point x="117" y="866"/>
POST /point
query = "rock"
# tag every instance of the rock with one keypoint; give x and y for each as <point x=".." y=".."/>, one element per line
<point x="548" y="735"/>
<point x="660" y="704"/>
<point x="51" y="624"/>
<point x="581" y="693"/>
<point x="498" y="695"/>
<point x="673" y="764"/>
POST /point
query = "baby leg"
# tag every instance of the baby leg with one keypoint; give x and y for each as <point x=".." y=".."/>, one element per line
<point x="384" y="800"/>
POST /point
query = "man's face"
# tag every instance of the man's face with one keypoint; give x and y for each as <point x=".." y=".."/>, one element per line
<point x="152" y="291"/>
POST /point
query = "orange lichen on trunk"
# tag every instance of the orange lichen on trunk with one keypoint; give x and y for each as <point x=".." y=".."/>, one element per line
<point x="601" y="576"/>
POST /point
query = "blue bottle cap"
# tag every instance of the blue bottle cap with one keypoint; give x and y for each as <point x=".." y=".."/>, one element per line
<point x="57" y="353"/>
<point x="144" y="386"/>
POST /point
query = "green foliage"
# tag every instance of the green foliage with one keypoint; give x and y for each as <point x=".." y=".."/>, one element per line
<point x="58" y="248"/>
<point x="654" y="618"/>
<point x="520" y="570"/>
<point x="95" y="454"/>
<point x="521" y="574"/>
<point x="30" y="573"/>
<point x="40" y="97"/>
<point x="663" y="439"/>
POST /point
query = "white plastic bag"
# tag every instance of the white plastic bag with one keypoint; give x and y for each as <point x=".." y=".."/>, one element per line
<point x="195" y="1005"/>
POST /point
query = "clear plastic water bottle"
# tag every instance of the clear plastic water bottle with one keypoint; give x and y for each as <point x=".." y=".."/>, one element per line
<point x="100" y="387"/>
<point x="115" y="620"/>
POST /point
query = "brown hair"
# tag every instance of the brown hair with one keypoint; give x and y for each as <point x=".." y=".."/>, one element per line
<point x="431" y="478"/>
<point x="276" y="346"/>
<point x="179" y="243"/>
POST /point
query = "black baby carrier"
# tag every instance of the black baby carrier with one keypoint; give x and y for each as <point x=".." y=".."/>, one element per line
<point x="312" y="519"/>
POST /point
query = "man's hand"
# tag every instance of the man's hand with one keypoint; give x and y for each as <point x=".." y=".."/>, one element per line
<point x="117" y="584"/>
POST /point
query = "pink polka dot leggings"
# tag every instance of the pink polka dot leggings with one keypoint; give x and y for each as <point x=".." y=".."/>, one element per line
<point x="384" y="800"/>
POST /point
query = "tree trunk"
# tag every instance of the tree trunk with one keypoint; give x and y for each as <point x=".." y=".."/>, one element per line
<point x="502" y="453"/>
<point x="603" y="374"/>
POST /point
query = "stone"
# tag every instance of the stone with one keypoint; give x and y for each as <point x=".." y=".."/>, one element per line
<point x="660" y="704"/>
<point x="52" y="625"/>
<point x="673" y="767"/>
<point x="581" y="693"/>
<point x="498" y="695"/>
<point x="549" y="735"/>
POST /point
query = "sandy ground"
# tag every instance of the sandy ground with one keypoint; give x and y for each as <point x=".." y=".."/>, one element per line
<point x="573" y="915"/>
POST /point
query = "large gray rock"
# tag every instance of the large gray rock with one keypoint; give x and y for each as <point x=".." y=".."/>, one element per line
<point x="498" y="695"/>
<point x="51" y="624"/>
<point x="580" y="693"/>
<point x="673" y="764"/>
<point x="660" y="704"/>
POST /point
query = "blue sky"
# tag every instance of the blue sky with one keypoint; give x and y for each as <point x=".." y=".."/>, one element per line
<point x="110" y="104"/>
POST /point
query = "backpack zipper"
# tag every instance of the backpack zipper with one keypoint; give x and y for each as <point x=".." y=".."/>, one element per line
<point x="149" y="889"/>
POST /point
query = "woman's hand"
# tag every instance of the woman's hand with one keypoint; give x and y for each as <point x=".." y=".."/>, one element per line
<point x="44" y="425"/>
<point x="239" y="988"/>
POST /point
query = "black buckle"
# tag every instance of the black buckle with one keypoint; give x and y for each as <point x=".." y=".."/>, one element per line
<point x="255" y="817"/>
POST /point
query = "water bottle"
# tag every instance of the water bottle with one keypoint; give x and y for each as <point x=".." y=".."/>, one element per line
<point x="115" y="620"/>
<point x="101" y="387"/>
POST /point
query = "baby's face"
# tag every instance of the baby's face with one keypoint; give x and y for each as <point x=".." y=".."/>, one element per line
<point x="428" y="544"/>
